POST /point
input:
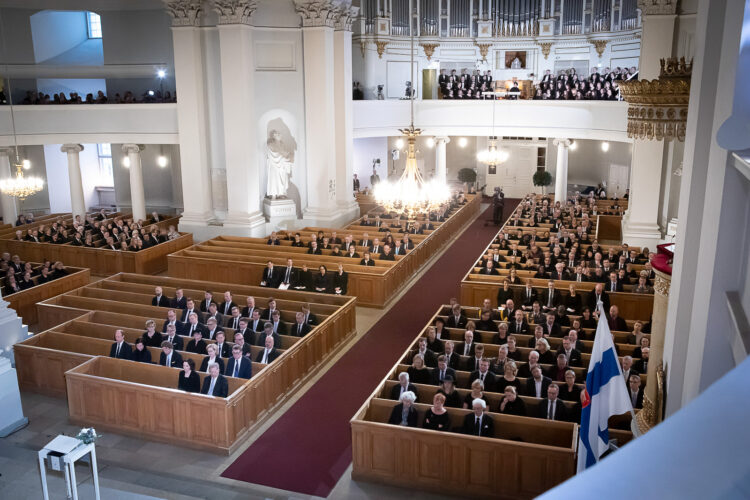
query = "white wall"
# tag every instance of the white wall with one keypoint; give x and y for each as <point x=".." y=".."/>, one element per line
<point x="588" y="164"/>
<point x="158" y="182"/>
<point x="56" y="32"/>
<point x="56" y="163"/>
<point x="365" y="151"/>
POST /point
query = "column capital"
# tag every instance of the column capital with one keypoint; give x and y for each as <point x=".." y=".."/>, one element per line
<point x="442" y="138"/>
<point x="317" y="12"/>
<point x="71" y="148"/>
<point x="562" y="142"/>
<point x="184" y="12"/>
<point x="345" y="15"/>
<point x="234" y="11"/>
<point x="657" y="7"/>
<point x="132" y="148"/>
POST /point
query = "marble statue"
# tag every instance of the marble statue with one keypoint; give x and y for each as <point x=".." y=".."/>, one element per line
<point x="279" y="165"/>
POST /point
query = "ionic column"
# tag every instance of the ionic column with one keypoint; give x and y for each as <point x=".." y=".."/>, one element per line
<point x="441" y="166"/>
<point x="342" y="47"/>
<point x="240" y="127"/>
<point x="8" y="203"/>
<point x="192" y="116"/>
<point x="320" y="123"/>
<point x="640" y="226"/>
<point x="77" y="201"/>
<point x="137" y="194"/>
<point x="561" y="172"/>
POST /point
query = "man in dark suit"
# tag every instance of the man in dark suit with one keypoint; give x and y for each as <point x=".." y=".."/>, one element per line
<point x="208" y="297"/>
<point x="234" y="320"/>
<point x="429" y="357"/>
<point x="551" y="328"/>
<point x="635" y="391"/>
<point x="189" y="309"/>
<point x="484" y="374"/>
<point x="160" y="300"/>
<point x="278" y="325"/>
<point x="173" y="338"/>
<point x="310" y="318"/>
<point x="552" y="408"/>
<point x="457" y="318"/>
<point x="300" y="328"/>
<point x="616" y="323"/>
<point x="267" y="332"/>
<point x="559" y="273"/>
<point x="179" y="301"/>
<point x="120" y="349"/>
<point x="255" y="324"/>
<point x="223" y="347"/>
<point x="226" y="307"/>
<point x="537" y="384"/>
<point x="213" y="312"/>
<point x="192" y="326"/>
<point x="212" y="329"/>
<point x="169" y="357"/>
<point x="403" y="386"/>
<point x="238" y="366"/>
<point x="288" y="275"/>
<point x="478" y="423"/>
<point x="442" y="371"/>
<point x="387" y="253"/>
<point x="247" y="311"/>
<point x="614" y="285"/>
<point x="550" y="298"/>
<point x="269" y="353"/>
<point x="451" y="356"/>
<point x="519" y="325"/>
<point x="528" y="297"/>
<point x="572" y="355"/>
<point x="215" y="384"/>
<point x="172" y="320"/>
<point x="598" y="294"/>
<point x="267" y="314"/>
<point x="641" y="366"/>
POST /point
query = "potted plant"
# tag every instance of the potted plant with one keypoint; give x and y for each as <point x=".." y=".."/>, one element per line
<point x="543" y="179"/>
<point x="468" y="176"/>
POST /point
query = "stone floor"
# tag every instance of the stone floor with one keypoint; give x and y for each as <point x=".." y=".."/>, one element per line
<point x="133" y="468"/>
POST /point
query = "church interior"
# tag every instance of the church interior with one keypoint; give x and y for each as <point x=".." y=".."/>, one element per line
<point x="371" y="249"/>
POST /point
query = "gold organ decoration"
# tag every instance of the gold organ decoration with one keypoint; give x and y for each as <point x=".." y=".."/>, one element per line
<point x="429" y="49"/>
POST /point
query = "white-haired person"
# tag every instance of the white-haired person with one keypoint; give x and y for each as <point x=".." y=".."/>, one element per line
<point x="546" y="356"/>
<point x="403" y="386"/>
<point x="404" y="413"/>
<point x="477" y="423"/>
<point x="437" y="417"/>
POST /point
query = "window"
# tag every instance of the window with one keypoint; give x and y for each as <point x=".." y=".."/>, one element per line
<point x="104" y="151"/>
<point x="94" y="23"/>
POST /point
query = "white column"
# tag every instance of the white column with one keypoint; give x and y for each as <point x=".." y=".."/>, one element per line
<point x="320" y="102"/>
<point x="192" y="117"/>
<point x="441" y="166"/>
<point x="8" y="203"/>
<point x="561" y="172"/>
<point x="342" y="47"/>
<point x="640" y="225"/>
<point x="77" y="201"/>
<point x="137" y="194"/>
<point x="240" y="127"/>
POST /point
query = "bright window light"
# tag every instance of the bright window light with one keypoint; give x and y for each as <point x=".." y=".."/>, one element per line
<point x="400" y="143"/>
<point x="605" y="146"/>
<point x="573" y="146"/>
<point x="94" y="24"/>
<point x="462" y="142"/>
<point x="161" y="73"/>
<point x="161" y="160"/>
<point x="104" y="152"/>
<point x="430" y="142"/>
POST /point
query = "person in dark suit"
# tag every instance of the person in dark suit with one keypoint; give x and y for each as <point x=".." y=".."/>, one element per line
<point x="270" y="277"/>
<point x="314" y="249"/>
<point x="269" y="353"/>
<point x="367" y="260"/>
<point x="478" y="423"/>
<point x="614" y="285"/>
<point x="172" y="320"/>
<point x="457" y="318"/>
<point x="189" y="380"/>
<point x="120" y="349"/>
<point x="226" y="307"/>
<point x="208" y="298"/>
<point x="519" y="325"/>
<point x="451" y="356"/>
<point x="255" y="324"/>
<point x="140" y="353"/>
<point x="442" y="371"/>
<point x="616" y="323"/>
<point x="635" y="391"/>
<point x="404" y="385"/>
<point x="300" y="328"/>
<point x="151" y="338"/>
<point x="550" y="298"/>
<point x="572" y="355"/>
<point x="528" y="297"/>
<point x="551" y="328"/>
<point x="223" y="347"/>
<point x="160" y="300"/>
<point x="179" y="301"/>
<point x="340" y="280"/>
<point x="190" y="309"/>
<point x="278" y="326"/>
<point x="238" y="366"/>
<point x="213" y="312"/>
<point x="598" y="295"/>
<point x="193" y="326"/>
<point x="197" y="344"/>
<point x="310" y="318"/>
<point x="212" y="357"/>
<point x="404" y="413"/>
<point x="641" y="366"/>
<point x="430" y="359"/>
<point x="215" y="384"/>
<point x="537" y="384"/>
<point x="173" y="338"/>
<point x="485" y="375"/>
<point x="170" y="357"/>
<point x="551" y="407"/>
<point x="288" y="275"/>
<point x="387" y="253"/>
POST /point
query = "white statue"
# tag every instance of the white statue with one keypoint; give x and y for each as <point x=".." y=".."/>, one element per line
<point x="515" y="63"/>
<point x="279" y="166"/>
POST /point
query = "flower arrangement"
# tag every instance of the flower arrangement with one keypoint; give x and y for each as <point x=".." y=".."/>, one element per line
<point x="88" y="435"/>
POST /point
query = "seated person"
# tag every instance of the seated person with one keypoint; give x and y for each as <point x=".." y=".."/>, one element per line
<point x="478" y="423"/>
<point x="189" y="380"/>
<point x="197" y="345"/>
<point x="140" y="353"/>
<point x="511" y="404"/>
<point x="212" y="357"/>
<point x="437" y="418"/>
<point x="404" y="413"/>
<point x="215" y="384"/>
<point x="168" y="356"/>
<point x="403" y="386"/>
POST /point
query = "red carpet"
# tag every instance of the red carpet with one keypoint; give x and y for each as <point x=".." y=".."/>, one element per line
<point x="309" y="447"/>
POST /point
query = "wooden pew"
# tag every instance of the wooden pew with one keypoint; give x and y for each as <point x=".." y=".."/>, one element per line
<point x="373" y="286"/>
<point x="25" y="301"/>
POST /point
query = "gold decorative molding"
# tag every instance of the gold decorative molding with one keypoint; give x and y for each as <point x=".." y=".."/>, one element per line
<point x="651" y="413"/>
<point x="599" y="45"/>
<point x="662" y="284"/>
<point x="429" y="49"/>
<point x="381" y="48"/>
<point x="658" y="108"/>
<point x="483" y="50"/>
<point x="546" y="47"/>
<point x="657" y="7"/>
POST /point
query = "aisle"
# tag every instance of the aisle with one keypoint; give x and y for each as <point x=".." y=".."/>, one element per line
<point x="308" y="448"/>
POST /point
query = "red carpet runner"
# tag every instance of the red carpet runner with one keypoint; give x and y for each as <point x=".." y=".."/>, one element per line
<point x="309" y="447"/>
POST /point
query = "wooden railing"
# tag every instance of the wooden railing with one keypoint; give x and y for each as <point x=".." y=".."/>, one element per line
<point x="25" y="301"/>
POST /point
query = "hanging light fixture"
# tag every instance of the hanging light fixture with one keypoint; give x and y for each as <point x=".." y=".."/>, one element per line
<point x="19" y="186"/>
<point x="411" y="195"/>
<point x="492" y="156"/>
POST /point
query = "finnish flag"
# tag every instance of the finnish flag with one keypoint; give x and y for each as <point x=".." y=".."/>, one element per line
<point x="605" y="395"/>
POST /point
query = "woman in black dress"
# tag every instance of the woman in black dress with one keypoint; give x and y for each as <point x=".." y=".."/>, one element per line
<point x="546" y="356"/>
<point x="511" y="404"/>
<point x="322" y="282"/>
<point x="448" y="389"/>
<point x="477" y="392"/>
<point x="573" y="301"/>
<point x="588" y="320"/>
<point x="433" y="343"/>
<point x="569" y="391"/>
<point x="437" y="417"/>
<point x="140" y="353"/>
<point x="212" y="357"/>
<point x="340" y="281"/>
<point x="189" y="380"/>
<point x="418" y="372"/>
<point x="151" y="338"/>
<point x="509" y="377"/>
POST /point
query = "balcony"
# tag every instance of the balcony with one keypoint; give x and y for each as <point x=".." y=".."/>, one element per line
<point x="599" y="120"/>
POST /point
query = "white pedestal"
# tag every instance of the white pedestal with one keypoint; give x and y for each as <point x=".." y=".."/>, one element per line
<point x="12" y="330"/>
<point x="280" y="212"/>
<point x="11" y="412"/>
<point x="71" y="450"/>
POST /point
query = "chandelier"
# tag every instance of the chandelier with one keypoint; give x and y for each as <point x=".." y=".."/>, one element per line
<point x="411" y="195"/>
<point x="493" y="156"/>
<point x="19" y="186"/>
